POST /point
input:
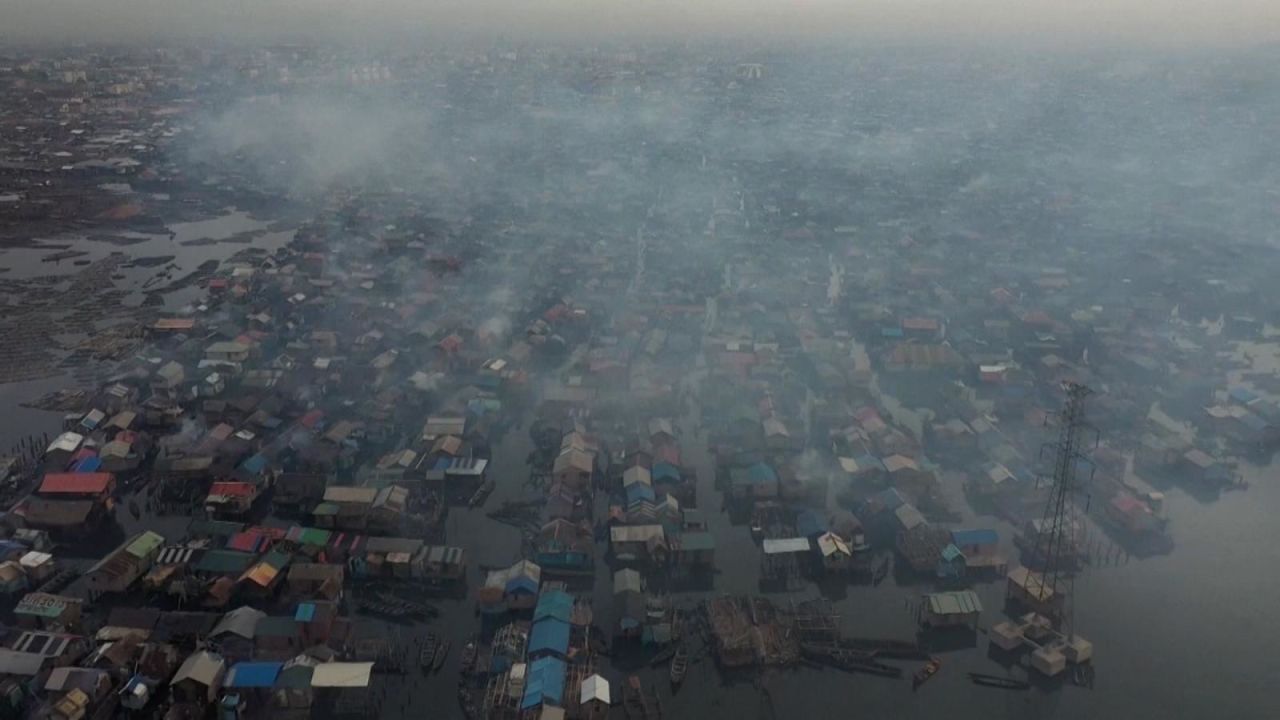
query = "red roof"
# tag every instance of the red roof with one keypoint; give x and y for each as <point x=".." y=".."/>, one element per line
<point x="1037" y="317"/>
<point x="311" y="419"/>
<point x="919" y="323"/>
<point x="247" y="542"/>
<point x="668" y="453"/>
<point x="76" y="483"/>
<point x="231" y="489"/>
<point x="1128" y="504"/>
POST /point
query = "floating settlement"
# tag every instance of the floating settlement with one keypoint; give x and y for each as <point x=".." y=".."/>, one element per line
<point x="530" y="455"/>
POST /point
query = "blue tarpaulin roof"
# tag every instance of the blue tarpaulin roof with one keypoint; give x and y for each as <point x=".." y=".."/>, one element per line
<point x="665" y="471"/>
<point x="255" y="464"/>
<point x="253" y="674"/>
<point x="889" y="499"/>
<point x="480" y="406"/>
<point x="87" y="465"/>
<point x="522" y="583"/>
<point x="983" y="536"/>
<point x="306" y="612"/>
<point x="1242" y="395"/>
<point x="639" y="491"/>
<point x="810" y="523"/>
<point x="544" y="683"/>
<point x="549" y="634"/>
<point x="554" y="604"/>
<point x="761" y="474"/>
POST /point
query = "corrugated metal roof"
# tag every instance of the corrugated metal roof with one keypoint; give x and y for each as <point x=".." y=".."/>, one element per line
<point x="242" y="621"/>
<point x="231" y="489"/>
<point x="41" y="605"/>
<point x="202" y="667"/>
<point x="86" y="483"/>
<point x="306" y="612"/>
<point x="775" y="546"/>
<point x="342" y="674"/>
<point x="626" y="580"/>
<point x="145" y="544"/>
<point x="224" y="561"/>
<point x="554" y="604"/>
<point x="697" y="541"/>
<point x="962" y="602"/>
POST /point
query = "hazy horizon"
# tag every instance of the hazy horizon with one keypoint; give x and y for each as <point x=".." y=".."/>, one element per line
<point x="1225" y="23"/>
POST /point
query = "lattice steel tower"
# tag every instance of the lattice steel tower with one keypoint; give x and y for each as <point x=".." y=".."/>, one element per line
<point x="1056" y="542"/>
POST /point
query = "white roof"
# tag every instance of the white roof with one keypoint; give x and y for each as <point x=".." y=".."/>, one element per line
<point x="595" y="688"/>
<point x="774" y="426"/>
<point x="909" y="516"/>
<point x="202" y="667"/>
<point x="636" y="474"/>
<point x="227" y="346"/>
<point x="635" y="533"/>
<point x="34" y="559"/>
<point x="830" y="543"/>
<point x="774" y="546"/>
<point x="342" y="674"/>
<point x="67" y="442"/>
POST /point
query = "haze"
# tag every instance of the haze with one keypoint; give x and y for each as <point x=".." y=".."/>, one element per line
<point x="613" y="341"/>
<point x="1146" y="22"/>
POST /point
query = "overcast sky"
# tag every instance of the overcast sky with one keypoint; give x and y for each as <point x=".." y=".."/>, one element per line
<point x="1180" y="22"/>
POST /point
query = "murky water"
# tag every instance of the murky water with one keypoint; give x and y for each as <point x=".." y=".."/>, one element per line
<point x="189" y="245"/>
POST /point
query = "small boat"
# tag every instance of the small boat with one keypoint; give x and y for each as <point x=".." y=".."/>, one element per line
<point x="373" y="607"/>
<point x="637" y="704"/>
<point x="923" y="674"/>
<point x="998" y="681"/>
<point x="481" y="494"/>
<point x="427" y="655"/>
<point x="442" y="651"/>
<point x="469" y="652"/>
<point x="663" y="655"/>
<point x="679" y="666"/>
<point x="467" y="702"/>
<point x="860" y="661"/>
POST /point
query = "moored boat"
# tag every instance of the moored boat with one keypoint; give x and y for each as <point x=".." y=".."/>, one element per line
<point x="469" y="652"/>
<point x="923" y="674"/>
<point x="848" y="660"/>
<point x="679" y="666"/>
<point x="442" y="651"/>
<point x="427" y="655"/>
<point x="998" y="681"/>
